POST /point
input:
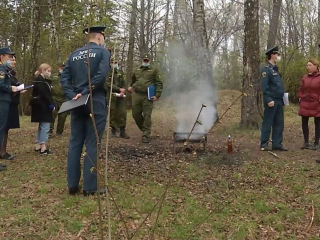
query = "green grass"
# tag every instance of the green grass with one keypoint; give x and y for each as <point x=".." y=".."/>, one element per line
<point x="269" y="198"/>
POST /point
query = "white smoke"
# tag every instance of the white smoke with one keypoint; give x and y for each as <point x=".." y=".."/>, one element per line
<point x="189" y="93"/>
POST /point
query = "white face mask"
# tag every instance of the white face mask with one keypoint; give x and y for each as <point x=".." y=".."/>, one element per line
<point x="115" y="66"/>
<point x="47" y="75"/>
<point x="60" y="71"/>
<point x="144" y="64"/>
<point x="278" y="59"/>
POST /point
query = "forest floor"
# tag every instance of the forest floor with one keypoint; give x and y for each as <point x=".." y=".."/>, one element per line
<point x="249" y="194"/>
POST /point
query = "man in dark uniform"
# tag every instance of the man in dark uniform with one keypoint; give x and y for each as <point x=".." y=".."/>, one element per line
<point x="273" y="91"/>
<point x="118" y="111"/>
<point x="5" y="93"/>
<point x="74" y="80"/>
<point x="144" y="76"/>
<point x="58" y="97"/>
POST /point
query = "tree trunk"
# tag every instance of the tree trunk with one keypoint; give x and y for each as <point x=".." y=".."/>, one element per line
<point x="34" y="47"/>
<point x="53" y="22"/>
<point x="54" y="29"/>
<point x="132" y="31"/>
<point x="274" y="23"/>
<point x="166" y="25"/>
<point x="251" y="65"/>
<point x="148" y="27"/>
<point x="203" y="53"/>
<point x="302" y="12"/>
<point x="142" y="45"/>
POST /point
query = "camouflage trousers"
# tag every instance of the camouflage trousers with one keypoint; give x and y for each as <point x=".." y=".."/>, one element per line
<point x="141" y="112"/>
<point x="61" y="119"/>
<point x="118" y="112"/>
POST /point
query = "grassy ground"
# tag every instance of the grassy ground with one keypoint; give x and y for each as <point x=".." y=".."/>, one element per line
<point x="250" y="194"/>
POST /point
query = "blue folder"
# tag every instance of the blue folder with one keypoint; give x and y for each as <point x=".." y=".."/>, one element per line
<point x="151" y="91"/>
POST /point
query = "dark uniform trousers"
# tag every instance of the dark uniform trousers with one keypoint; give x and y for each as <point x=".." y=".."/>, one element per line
<point x="61" y="118"/>
<point x="273" y="118"/>
<point x="118" y="112"/>
<point x="4" y="113"/>
<point x="142" y="111"/>
<point x="82" y="132"/>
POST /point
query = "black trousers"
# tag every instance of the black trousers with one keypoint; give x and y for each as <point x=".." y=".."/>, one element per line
<point x="305" y="129"/>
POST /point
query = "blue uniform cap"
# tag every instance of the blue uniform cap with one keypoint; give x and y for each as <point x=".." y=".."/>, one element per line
<point x="272" y="50"/>
<point x="96" y="29"/>
<point x="6" y="50"/>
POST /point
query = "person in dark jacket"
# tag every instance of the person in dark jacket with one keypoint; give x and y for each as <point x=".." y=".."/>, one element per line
<point x="5" y="92"/>
<point x="75" y="83"/>
<point x="309" y="99"/>
<point x="13" y="118"/>
<point x="42" y="106"/>
<point x="273" y="91"/>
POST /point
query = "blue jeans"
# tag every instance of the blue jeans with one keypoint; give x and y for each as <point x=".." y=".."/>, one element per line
<point x="43" y="132"/>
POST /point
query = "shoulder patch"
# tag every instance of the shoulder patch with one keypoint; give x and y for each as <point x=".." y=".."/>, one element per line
<point x="2" y="74"/>
<point x="264" y="74"/>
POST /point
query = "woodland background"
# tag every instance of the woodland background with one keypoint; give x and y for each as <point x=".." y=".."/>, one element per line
<point x="233" y="34"/>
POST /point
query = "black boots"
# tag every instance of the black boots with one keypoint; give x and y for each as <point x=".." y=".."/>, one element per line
<point x="123" y="133"/>
<point x="103" y="191"/>
<point x="145" y="139"/>
<point x="113" y="132"/>
<point x="3" y="167"/>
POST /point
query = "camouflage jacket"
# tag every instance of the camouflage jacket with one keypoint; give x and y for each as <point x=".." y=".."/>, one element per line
<point x="57" y="90"/>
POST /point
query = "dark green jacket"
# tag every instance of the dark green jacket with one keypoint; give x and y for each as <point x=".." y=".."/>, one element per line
<point x="144" y="77"/>
<point x="271" y="84"/>
<point x="57" y="90"/>
<point x="5" y="85"/>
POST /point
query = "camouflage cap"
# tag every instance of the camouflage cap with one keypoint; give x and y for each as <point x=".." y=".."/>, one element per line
<point x="112" y="60"/>
<point x="146" y="57"/>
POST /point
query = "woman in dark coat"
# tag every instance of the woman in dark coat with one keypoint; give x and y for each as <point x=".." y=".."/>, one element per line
<point x="309" y="98"/>
<point x="42" y="106"/>
<point x="13" y="118"/>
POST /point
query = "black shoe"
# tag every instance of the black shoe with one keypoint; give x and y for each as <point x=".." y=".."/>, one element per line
<point x="123" y="133"/>
<point x="145" y="139"/>
<point x="315" y="147"/>
<point x="113" y="132"/>
<point x="7" y="156"/>
<point x="279" y="149"/>
<point x="90" y="193"/>
<point x="74" y="190"/>
<point x="264" y="147"/>
<point x="306" y="146"/>
<point x="3" y="167"/>
<point x="46" y="152"/>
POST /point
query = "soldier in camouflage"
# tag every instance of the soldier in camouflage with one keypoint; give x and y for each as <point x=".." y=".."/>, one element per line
<point x="118" y="112"/>
<point x="143" y="77"/>
<point x="59" y="98"/>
